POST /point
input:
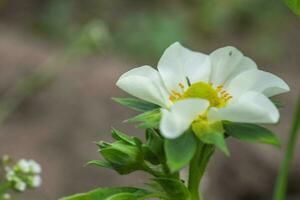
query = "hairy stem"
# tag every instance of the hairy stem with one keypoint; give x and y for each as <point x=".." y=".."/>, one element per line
<point x="197" y="168"/>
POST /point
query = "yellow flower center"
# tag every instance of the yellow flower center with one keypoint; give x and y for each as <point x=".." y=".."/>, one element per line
<point x="217" y="97"/>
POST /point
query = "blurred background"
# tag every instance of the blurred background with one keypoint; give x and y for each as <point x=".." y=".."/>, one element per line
<point x="60" y="59"/>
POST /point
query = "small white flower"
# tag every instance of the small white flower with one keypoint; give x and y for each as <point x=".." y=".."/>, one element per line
<point x="6" y="196"/>
<point x="10" y="174"/>
<point x="34" y="167"/>
<point x="36" y="181"/>
<point x="24" y="165"/>
<point x="191" y="86"/>
<point x="20" y="185"/>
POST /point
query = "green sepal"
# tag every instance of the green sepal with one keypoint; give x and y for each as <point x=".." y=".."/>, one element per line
<point x="99" y="163"/>
<point x="136" y="104"/>
<point x="211" y="133"/>
<point x="149" y="155"/>
<point x="147" y="120"/>
<point x="277" y="103"/>
<point x="123" y="196"/>
<point x="102" y="144"/>
<point x="155" y="143"/>
<point x="251" y="133"/>
<point x="180" y="151"/>
<point x="108" y="193"/>
<point x="216" y="138"/>
<point x="117" y="135"/>
<point x="174" y="188"/>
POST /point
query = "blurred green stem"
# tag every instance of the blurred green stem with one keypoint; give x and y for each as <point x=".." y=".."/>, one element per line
<point x="4" y="186"/>
<point x="281" y="184"/>
<point x="197" y="168"/>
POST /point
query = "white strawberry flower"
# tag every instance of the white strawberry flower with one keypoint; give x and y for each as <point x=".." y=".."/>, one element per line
<point x="193" y="88"/>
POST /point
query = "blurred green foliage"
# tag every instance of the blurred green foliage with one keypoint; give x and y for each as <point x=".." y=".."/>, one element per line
<point x="143" y="29"/>
<point x="148" y="34"/>
<point x="294" y="5"/>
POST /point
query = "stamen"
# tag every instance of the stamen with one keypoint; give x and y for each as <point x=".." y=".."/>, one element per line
<point x="172" y="98"/>
<point x="176" y="94"/>
<point x="181" y="85"/>
<point x="188" y="81"/>
<point x="226" y="95"/>
<point x="219" y="88"/>
<point x="228" y="98"/>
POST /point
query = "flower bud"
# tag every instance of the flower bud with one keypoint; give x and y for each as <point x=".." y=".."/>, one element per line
<point x="20" y="186"/>
<point x="35" y="181"/>
<point x="34" y="167"/>
<point x="124" y="158"/>
<point x="6" y="196"/>
<point x="23" y="165"/>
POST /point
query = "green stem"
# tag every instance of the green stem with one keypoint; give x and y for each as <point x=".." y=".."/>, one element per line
<point x="167" y="172"/>
<point x="197" y="168"/>
<point x="281" y="184"/>
<point x="4" y="186"/>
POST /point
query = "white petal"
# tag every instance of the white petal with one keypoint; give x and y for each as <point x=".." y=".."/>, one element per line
<point x="36" y="181"/>
<point x="251" y="107"/>
<point x="177" y="63"/>
<point x="179" y="118"/>
<point x="257" y="81"/>
<point x="145" y="83"/>
<point x="227" y="62"/>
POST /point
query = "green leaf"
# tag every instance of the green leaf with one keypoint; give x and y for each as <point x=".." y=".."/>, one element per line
<point x="251" y="133"/>
<point x="108" y="193"/>
<point x="117" y="135"/>
<point x="147" y="120"/>
<point x="294" y="5"/>
<point x="136" y="104"/>
<point x="174" y="188"/>
<point x="180" y="151"/>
